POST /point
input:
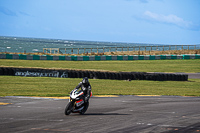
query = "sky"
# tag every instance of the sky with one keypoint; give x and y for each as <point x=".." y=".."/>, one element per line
<point x="131" y="21"/>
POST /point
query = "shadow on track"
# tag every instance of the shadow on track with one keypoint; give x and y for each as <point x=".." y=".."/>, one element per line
<point x="104" y="114"/>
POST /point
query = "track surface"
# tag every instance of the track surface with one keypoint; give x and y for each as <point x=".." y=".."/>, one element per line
<point x="116" y="114"/>
<point x="193" y="75"/>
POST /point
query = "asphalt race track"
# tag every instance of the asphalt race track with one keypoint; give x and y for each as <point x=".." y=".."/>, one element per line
<point x="139" y="114"/>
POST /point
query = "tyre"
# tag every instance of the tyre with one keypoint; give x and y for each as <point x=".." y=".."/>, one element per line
<point x="169" y="76"/>
<point x="77" y="74"/>
<point x="85" y="108"/>
<point x="112" y="75"/>
<point x="69" y="108"/>
<point x="154" y="77"/>
<point x="137" y="76"/>
<point x="185" y="77"/>
<point x="120" y="76"/>
<point x="106" y="75"/>
<point x="1" y="71"/>
<point x="117" y="76"/>
<point x="157" y="77"/>
<point x="127" y="76"/>
<point x="147" y="77"/>
<point x="165" y="77"/>
<point x="141" y="76"/>
<point x="5" y="71"/>
<point x="94" y="75"/>
<point x="179" y="77"/>
<point x="161" y="77"/>
<point x="98" y="76"/>
<point x="133" y="77"/>
<point x="74" y="74"/>
<point x="90" y="75"/>
<point x="82" y="74"/>
<point x="70" y="74"/>
<point x="102" y="76"/>
<point x="173" y="77"/>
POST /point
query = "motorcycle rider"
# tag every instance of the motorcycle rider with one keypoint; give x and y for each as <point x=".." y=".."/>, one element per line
<point x="86" y="88"/>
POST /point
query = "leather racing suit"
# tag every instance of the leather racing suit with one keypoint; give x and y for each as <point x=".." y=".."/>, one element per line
<point x="86" y="88"/>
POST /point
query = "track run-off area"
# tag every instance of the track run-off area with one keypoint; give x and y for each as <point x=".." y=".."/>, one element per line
<point x="105" y="114"/>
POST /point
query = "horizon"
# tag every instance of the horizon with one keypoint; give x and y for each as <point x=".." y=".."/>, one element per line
<point x="94" y="41"/>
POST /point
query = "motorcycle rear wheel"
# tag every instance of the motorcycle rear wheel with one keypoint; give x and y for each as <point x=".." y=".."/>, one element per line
<point x="84" y="109"/>
<point x="68" y="108"/>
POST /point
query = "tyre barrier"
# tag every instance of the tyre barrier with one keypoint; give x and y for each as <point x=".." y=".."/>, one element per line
<point x="39" y="72"/>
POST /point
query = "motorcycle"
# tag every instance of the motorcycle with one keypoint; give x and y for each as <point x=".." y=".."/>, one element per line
<point x="76" y="103"/>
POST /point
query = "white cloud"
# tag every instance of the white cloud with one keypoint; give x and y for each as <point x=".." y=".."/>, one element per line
<point x="169" y="19"/>
<point x="7" y="11"/>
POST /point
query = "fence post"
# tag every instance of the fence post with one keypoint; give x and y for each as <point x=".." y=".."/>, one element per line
<point x="109" y="49"/>
<point x="103" y="49"/>
<point x="127" y="48"/>
<point x="91" y="50"/>
<point x="188" y="47"/>
<point x="163" y="48"/>
<point x="97" y="50"/>
<point x="72" y="51"/>
<point x="194" y="47"/>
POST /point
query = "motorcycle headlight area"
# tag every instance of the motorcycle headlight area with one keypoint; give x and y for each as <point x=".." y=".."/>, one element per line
<point x="78" y="98"/>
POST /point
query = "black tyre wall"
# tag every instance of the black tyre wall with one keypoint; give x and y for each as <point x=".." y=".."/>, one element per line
<point x="100" y="75"/>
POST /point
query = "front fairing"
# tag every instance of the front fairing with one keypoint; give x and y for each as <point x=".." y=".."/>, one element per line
<point x="76" y="94"/>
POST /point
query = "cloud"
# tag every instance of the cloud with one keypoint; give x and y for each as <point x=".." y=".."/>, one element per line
<point x="7" y="12"/>
<point x="24" y="14"/>
<point x="170" y="19"/>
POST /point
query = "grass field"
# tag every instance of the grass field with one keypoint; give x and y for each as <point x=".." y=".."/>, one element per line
<point x="189" y="66"/>
<point x="37" y="86"/>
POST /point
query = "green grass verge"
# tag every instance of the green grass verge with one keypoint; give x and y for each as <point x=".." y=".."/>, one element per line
<point x="37" y="86"/>
<point x="189" y="66"/>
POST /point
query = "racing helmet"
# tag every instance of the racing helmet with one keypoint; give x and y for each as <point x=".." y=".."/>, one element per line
<point x="85" y="81"/>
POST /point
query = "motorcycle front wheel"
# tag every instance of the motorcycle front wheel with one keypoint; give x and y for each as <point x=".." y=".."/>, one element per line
<point x="68" y="108"/>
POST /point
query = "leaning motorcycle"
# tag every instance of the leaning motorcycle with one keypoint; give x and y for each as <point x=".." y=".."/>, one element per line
<point x="76" y="103"/>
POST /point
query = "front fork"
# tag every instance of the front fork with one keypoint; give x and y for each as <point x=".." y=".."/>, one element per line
<point x="74" y="104"/>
